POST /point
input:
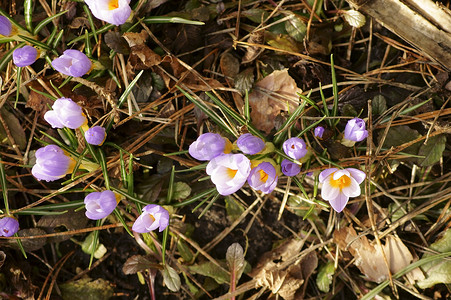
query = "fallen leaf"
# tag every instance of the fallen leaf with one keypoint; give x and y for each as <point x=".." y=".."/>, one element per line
<point x="252" y="52"/>
<point x="369" y="257"/>
<point x="116" y="42"/>
<point x="432" y="151"/>
<point x="64" y="222"/>
<point x="281" y="270"/>
<point x="139" y="263"/>
<point x="142" y="57"/>
<point x="275" y="93"/>
<point x="135" y="39"/>
<point x="14" y="127"/>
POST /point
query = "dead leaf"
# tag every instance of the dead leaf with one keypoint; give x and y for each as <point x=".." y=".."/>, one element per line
<point x="64" y="222"/>
<point x="282" y="271"/>
<point x="230" y="66"/>
<point x="142" y="57"/>
<point x="78" y="23"/>
<point x="275" y="93"/>
<point x="116" y="42"/>
<point x="369" y="256"/>
<point x="135" y="39"/>
<point x="252" y="52"/>
<point x="139" y="263"/>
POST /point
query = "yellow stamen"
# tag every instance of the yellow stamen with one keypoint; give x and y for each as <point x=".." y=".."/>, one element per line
<point x="113" y="4"/>
<point x="151" y="217"/>
<point x="231" y="172"/>
<point x="228" y="146"/>
<point x="263" y="176"/>
<point x="343" y="181"/>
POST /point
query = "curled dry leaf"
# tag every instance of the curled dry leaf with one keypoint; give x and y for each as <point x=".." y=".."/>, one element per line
<point x="275" y="93"/>
<point x="369" y="257"/>
<point x="283" y="272"/>
<point x="253" y="52"/>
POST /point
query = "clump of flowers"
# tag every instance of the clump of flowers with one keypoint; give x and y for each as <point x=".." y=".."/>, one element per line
<point x="65" y="113"/>
<point x="112" y="11"/>
<point x="95" y="135"/>
<point x="153" y="216"/>
<point x="355" y="131"/>
<point x="52" y="163"/>
<point x="340" y="185"/>
<point x="25" y="56"/>
<point x="8" y="226"/>
<point x="72" y="63"/>
<point x="100" y="204"/>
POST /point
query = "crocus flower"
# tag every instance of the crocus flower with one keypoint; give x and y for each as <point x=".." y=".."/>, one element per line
<point x="290" y="168"/>
<point x="5" y="26"/>
<point x="263" y="178"/>
<point x="319" y="131"/>
<point x="95" y="135"/>
<point x="100" y="204"/>
<point x="295" y="148"/>
<point x="25" y="56"/>
<point x="250" y="144"/>
<point x="52" y="163"/>
<point x="112" y="11"/>
<point x="153" y="216"/>
<point x="72" y="63"/>
<point x="229" y="172"/>
<point x="339" y="185"/>
<point x="208" y="146"/>
<point x="8" y="226"/>
<point x="65" y="113"/>
<point x="355" y="131"/>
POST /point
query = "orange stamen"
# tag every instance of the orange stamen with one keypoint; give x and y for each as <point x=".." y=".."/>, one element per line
<point x="113" y="4"/>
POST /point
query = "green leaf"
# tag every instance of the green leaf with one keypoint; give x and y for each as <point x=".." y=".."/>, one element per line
<point x="256" y="15"/>
<point x="438" y="271"/>
<point x="171" y="278"/>
<point x="399" y="135"/>
<point x="87" y="289"/>
<point x="432" y="151"/>
<point x="379" y="105"/>
<point x="296" y="28"/>
<point x="184" y="251"/>
<point x="89" y="242"/>
<point x="181" y="191"/>
<point x="211" y="270"/>
<point x="325" y="277"/>
<point x="233" y="208"/>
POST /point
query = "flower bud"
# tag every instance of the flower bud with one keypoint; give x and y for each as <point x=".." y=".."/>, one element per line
<point x="295" y="148"/>
<point x="65" y="113"/>
<point x="250" y="144"/>
<point x="5" y="26"/>
<point x="290" y="168"/>
<point x="100" y="204"/>
<point x="72" y="63"/>
<point x="8" y="226"/>
<point x="95" y="135"/>
<point x="25" y="56"/>
<point x="52" y="163"/>
<point x="208" y="146"/>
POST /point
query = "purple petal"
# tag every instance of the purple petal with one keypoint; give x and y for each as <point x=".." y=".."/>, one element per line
<point x="339" y="203"/>
<point x="357" y="174"/>
<point x="324" y="174"/>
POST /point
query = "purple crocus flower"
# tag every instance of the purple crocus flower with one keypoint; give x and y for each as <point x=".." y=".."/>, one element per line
<point x="25" y="56"/>
<point x="95" y="135"/>
<point x="339" y="185"/>
<point x="8" y="226"/>
<point x="355" y="130"/>
<point x="52" y="163"/>
<point x="319" y="131"/>
<point x="290" y="168"/>
<point x="263" y="177"/>
<point x="100" y="204"/>
<point x="295" y="148"/>
<point x="5" y="26"/>
<point x="229" y="172"/>
<point x="153" y="216"/>
<point x="72" y="63"/>
<point x="112" y="11"/>
<point x="250" y="144"/>
<point x="208" y="146"/>
<point x="65" y="113"/>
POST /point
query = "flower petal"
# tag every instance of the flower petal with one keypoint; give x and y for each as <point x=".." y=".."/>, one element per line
<point x="328" y="192"/>
<point x="353" y="190"/>
<point x="357" y="174"/>
<point x="339" y="203"/>
<point x="324" y="174"/>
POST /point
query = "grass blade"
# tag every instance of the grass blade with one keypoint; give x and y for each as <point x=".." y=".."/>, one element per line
<point x="44" y="22"/>
<point x="28" y="12"/>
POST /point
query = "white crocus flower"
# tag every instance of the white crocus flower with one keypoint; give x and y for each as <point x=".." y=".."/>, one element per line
<point x="112" y="11"/>
<point x="339" y="185"/>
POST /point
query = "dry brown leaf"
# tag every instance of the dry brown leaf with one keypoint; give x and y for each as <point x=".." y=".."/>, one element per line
<point x="253" y="52"/>
<point x="142" y="57"/>
<point x="135" y="39"/>
<point x="369" y="256"/>
<point x="271" y="95"/>
<point x="282" y="272"/>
